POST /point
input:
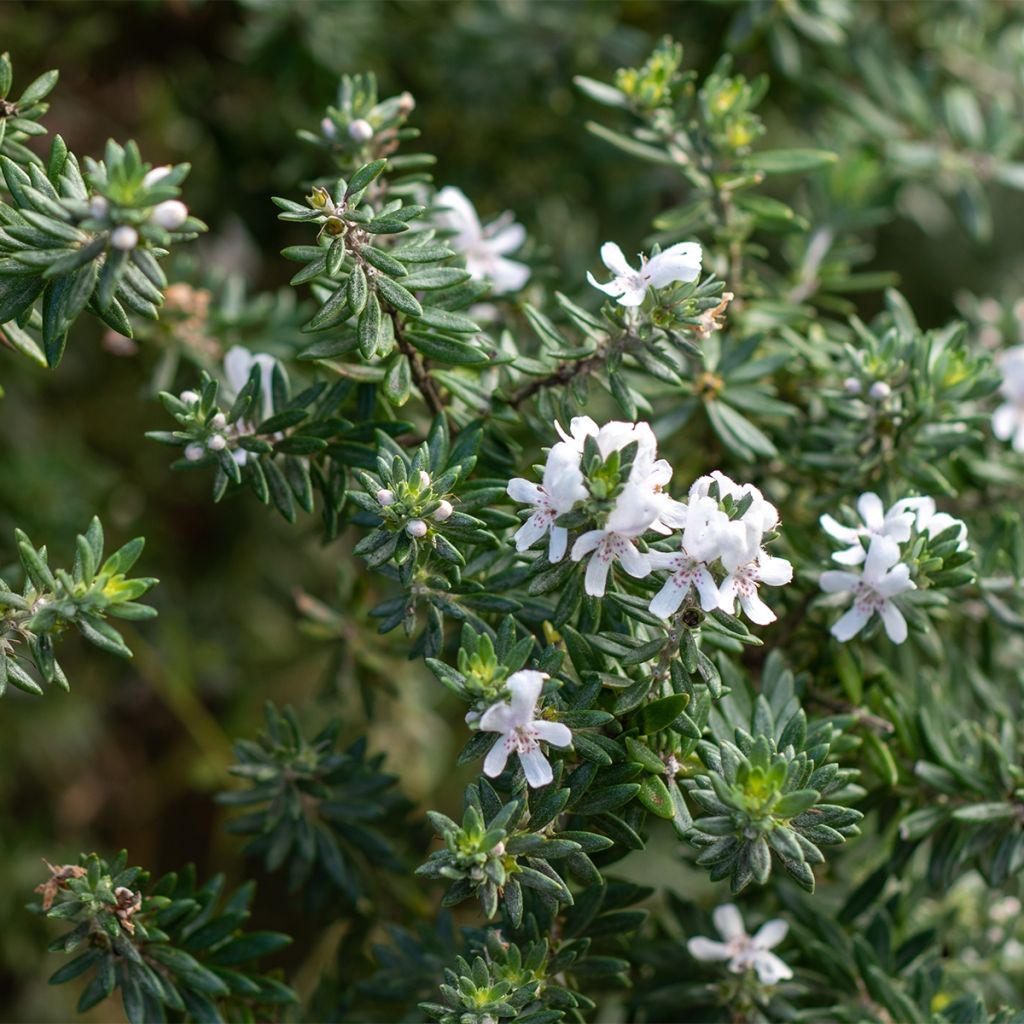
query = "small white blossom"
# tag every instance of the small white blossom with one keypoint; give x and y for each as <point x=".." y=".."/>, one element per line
<point x="628" y="287"/>
<point x="879" y="391"/>
<point x="636" y="509"/>
<point x="744" y="952"/>
<point x="1008" y="419"/>
<point x="747" y="565"/>
<point x="689" y="566"/>
<point x="561" y="488"/>
<point x="170" y="215"/>
<point x="416" y="528"/>
<point x="360" y="130"/>
<point x="442" y="512"/>
<point x="124" y="238"/>
<point x="385" y="497"/>
<point x="238" y="364"/>
<point x="194" y="452"/>
<point x="884" y="577"/>
<point x="929" y="521"/>
<point x="896" y="523"/>
<point x="157" y="174"/>
<point x="520" y="731"/>
<point x="485" y="249"/>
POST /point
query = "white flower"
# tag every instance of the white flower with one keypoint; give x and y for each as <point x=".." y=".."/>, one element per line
<point x="628" y="287"/>
<point x="124" y="238"/>
<point x="744" y="952"/>
<point x="747" y="565"/>
<point x="884" y="577"/>
<point x="238" y="364"/>
<point x="561" y="488"/>
<point x="929" y="521"/>
<point x="636" y="509"/>
<point x="520" y="731"/>
<point x="484" y="248"/>
<point x="896" y="523"/>
<point x="170" y="215"/>
<point x="689" y="566"/>
<point x="1008" y="419"/>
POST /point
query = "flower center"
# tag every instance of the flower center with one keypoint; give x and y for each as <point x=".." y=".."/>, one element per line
<point x="868" y="599"/>
<point x="523" y="739"/>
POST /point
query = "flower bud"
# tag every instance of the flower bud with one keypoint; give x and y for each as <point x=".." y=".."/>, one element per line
<point x="416" y="528"/>
<point x="879" y="391"/>
<point x="360" y="131"/>
<point x="852" y="386"/>
<point x="217" y="443"/>
<point x="385" y="497"/>
<point x="188" y="397"/>
<point x="157" y="174"/>
<point x="443" y="512"/>
<point x="98" y="207"/>
<point x="424" y="479"/>
<point x="219" y="422"/>
<point x="170" y="215"/>
<point x="329" y="128"/>
<point x="194" y="452"/>
<point x="124" y="238"/>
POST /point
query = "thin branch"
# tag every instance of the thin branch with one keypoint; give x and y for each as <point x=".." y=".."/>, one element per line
<point x="420" y="374"/>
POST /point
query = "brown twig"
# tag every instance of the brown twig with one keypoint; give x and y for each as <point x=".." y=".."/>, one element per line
<point x="420" y="374"/>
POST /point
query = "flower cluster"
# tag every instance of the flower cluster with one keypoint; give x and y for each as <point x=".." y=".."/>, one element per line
<point x="610" y="479"/>
<point x="879" y="543"/>
<point x="1008" y="419"/>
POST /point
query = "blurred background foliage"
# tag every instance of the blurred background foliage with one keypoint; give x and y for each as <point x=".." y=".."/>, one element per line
<point x="133" y="755"/>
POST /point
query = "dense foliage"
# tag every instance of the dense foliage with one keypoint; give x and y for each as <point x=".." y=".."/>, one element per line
<point x="707" y="558"/>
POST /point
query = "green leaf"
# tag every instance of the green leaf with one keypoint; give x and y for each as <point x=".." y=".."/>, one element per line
<point x="366" y="174"/>
<point x="655" y="797"/>
<point x="368" y="330"/>
<point x="399" y="297"/>
<point x="787" y="161"/>
<point x="660" y="714"/>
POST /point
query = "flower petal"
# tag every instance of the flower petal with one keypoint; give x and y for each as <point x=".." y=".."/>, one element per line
<point x="771" y="933"/>
<point x="497" y="756"/>
<point x="555" y="733"/>
<point x="729" y="921"/>
<point x="770" y="969"/>
<point x="850" y="624"/>
<point x="536" y="768"/>
<point x="613" y="258"/>
<point x="596" y="578"/>
<point x="524" y="491"/>
<point x="894" y="622"/>
<point x="707" y="950"/>
<point x="833" y="581"/>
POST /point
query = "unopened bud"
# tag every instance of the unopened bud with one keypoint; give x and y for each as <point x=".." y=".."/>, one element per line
<point x="424" y="478"/>
<point x="852" y="386"/>
<point x="188" y="397"/>
<point x="98" y="207"/>
<point x="443" y="511"/>
<point x="219" y="422"/>
<point x="385" y="497"/>
<point x="406" y="104"/>
<point x="194" y="452"/>
<point x="170" y="215"/>
<point x="157" y="174"/>
<point x="360" y="131"/>
<point x="879" y="391"/>
<point x="124" y="238"/>
<point x="416" y="528"/>
<point x="329" y="128"/>
<point x="217" y="443"/>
